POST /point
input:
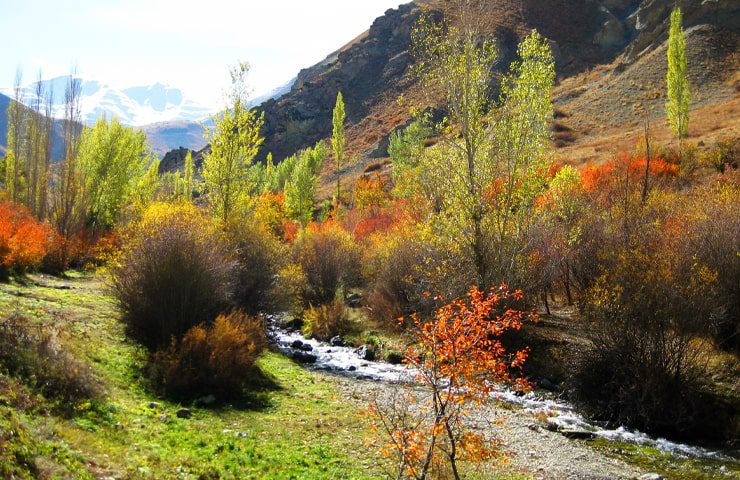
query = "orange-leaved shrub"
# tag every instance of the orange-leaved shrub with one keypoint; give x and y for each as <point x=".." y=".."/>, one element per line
<point x="83" y="249"/>
<point x="625" y="174"/>
<point x="24" y="242"/>
<point x="211" y="359"/>
<point x="329" y="261"/>
<point x="460" y="359"/>
<point x="173" y="273"/>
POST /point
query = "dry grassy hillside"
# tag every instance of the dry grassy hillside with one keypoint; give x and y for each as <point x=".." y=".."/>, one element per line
<point x="611" y="68"/>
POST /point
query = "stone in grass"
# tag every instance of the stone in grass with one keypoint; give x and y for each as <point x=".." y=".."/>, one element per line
<point x="184" y="413"/>
<point x="569" y="432"/>
<point x="651" y="476"/>
<point x="354" y="300"/>
<point x="337" y="341"/>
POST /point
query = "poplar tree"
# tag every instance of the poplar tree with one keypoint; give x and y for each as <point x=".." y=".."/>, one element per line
<point x="188" y="179"/>
<point x="112" y="160"/>
<point x="300" y="191"/>
<point x="68" y="206"/>
<point x="234" y="142"/>
<point x="488" y="170"/>
<point x="338" y="141"/>
<point x="14" y="161"/>
<point x="677" y="83"/>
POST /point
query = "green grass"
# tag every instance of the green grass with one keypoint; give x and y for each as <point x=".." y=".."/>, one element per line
<point x="298" y="427"/>
<point x="671" y="467"/>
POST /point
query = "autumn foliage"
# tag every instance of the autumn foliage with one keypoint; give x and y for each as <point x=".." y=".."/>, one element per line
<point x="211" y="358"/>
<point x="460" y="360"/>
<point x="625" y="173"/>
<point x="24" y="242"/>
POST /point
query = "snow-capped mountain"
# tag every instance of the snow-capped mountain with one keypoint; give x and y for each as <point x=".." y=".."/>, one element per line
<point x="273" y="94"/>
<point x="135" y="106"/>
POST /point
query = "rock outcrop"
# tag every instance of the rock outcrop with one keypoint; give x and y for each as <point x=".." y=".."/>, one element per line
<point x="371" y="66"/>
<point x="371" y="71"/>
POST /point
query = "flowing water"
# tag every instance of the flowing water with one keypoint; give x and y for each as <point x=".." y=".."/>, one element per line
<point x="346" y="361"/>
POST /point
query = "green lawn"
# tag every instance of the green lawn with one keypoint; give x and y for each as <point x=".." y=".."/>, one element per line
<point x="297" y="426"/>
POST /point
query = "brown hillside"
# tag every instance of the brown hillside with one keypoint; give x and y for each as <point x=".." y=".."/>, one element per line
<point x="610" y="60"/>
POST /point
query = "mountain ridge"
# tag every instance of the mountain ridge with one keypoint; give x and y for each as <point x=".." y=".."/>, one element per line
<point x="599" y="46"/>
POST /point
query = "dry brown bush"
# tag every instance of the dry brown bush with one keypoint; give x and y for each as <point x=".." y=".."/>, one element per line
<point x="326" y="321"/>
<point x="219" y="358"/>
<point x="174" y="273"/>
<point x="34" y="354"/>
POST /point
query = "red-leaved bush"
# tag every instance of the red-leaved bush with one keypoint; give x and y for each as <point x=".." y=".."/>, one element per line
<point x="24" y="242"/>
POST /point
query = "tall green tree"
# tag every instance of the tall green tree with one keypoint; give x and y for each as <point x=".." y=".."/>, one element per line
<point x="487" y="173"/>
<point x="234" y="142"/>
<point x="68" y="202"/>
<point x="112" y="159"/>
<point x="14" y="160"/>
<point x="187" y="184"/>
<point x="338" y="141"/>
<point x="300" y="191"/>
<point x="677" y="82"/>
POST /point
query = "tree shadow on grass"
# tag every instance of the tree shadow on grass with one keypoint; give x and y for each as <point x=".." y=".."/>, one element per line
<point x="255" y="393"/>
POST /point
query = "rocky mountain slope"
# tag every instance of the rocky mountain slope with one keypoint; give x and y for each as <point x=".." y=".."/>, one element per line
<point x="610" y="60"/>
<point x="57" y="147"/>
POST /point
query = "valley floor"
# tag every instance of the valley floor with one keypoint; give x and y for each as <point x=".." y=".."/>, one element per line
<point x="298" y="424"/>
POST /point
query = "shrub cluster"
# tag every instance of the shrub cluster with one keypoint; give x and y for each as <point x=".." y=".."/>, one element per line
<point x="24" y="242"/>
<point x="325" y="321"/>
<point x="217" y="358"/>
<point x="178" y="272"/>
<point x="327" y="261"/>
<point x="404" y="265"/>
<point x="174" y="272"/>
<point x="257" y="255"/>
<point x="34" y="354"/>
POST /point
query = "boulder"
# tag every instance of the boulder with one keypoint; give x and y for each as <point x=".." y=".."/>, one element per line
<point x="337" y="341"/>
<point x="547" y="384"/>
<point x="184" y="413"/>
<point x="651" y="476"/>
<point x="303" y="357"/>
<point x="366" y="352"/>
<point x="353" y="301"/>
<point x="576" y="434"/>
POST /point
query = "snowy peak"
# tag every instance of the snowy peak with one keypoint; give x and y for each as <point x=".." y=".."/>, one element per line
<point x="134" y="106"/>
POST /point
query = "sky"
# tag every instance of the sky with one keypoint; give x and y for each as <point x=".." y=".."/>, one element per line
<point x="186" y="44"/>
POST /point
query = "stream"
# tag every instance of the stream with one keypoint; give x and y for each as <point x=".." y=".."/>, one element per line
<point x="344" y="360"/>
